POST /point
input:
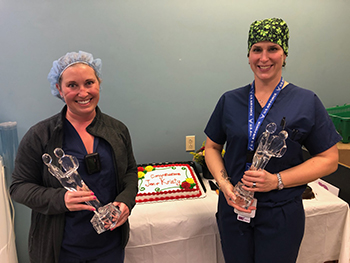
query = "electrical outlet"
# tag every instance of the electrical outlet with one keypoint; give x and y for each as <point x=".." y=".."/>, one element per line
<point x="190" y="143"/>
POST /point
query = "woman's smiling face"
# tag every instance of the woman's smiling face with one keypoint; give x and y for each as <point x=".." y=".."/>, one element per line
<point x="266" y="60"/>
<point x="80" y="88"/>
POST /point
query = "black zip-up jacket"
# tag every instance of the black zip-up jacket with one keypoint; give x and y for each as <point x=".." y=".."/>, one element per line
<point x="35" y="187"/>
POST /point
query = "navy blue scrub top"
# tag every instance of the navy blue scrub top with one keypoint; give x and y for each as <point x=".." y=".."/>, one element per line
<point x="80" y="239"/>
<point x="307" y="123"/>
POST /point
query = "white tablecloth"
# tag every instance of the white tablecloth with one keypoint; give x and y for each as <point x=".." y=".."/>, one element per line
<point x="327" y="228"/>
<point x="186" y="231"/>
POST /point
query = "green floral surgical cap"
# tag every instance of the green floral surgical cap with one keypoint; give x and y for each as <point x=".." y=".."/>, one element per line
<point x="271" y="29"/>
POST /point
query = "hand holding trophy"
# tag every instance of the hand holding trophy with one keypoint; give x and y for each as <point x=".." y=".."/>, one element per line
<point x="106" y="217"/>
<point x="269" y="146"/>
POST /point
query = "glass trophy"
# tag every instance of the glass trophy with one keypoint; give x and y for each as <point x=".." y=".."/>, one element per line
<point x="106" y="217"/>
<point x="269" y="146"/>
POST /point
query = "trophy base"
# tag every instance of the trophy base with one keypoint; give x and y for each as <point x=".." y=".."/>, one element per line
<point x="105" y="218"/>
<point x="245" y="217"/>
<point x="243" y="198"/>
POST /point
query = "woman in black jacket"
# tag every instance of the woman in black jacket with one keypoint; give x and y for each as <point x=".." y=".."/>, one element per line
<point x="60" y="228"/>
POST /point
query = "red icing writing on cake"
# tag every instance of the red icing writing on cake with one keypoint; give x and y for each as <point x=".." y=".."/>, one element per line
<point x="166" y="174"/>
<point x="162" y="181"/>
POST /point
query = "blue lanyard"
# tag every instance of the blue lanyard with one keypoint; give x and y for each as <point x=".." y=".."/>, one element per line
<point x="253" y="128"/>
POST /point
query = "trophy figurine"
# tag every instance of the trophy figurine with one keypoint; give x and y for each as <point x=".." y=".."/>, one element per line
<point x="269" y="146"/>
<point x="106" y="217"/>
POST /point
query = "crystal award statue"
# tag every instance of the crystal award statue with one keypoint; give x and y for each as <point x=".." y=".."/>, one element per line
<point x="106" y="217"/>
<point x="269" y="146"/>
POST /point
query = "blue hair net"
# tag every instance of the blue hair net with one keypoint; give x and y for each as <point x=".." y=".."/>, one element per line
<point x="71" y="58"/>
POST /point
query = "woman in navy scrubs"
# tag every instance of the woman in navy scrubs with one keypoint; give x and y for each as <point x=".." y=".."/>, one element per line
<point x="274" y="234"/>
<point x="60" y="228"/>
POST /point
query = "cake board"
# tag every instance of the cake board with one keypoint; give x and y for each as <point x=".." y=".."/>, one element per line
<point x="164" y="171"/>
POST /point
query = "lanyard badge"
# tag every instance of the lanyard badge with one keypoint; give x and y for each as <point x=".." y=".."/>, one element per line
<point x="253" y="129"/>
